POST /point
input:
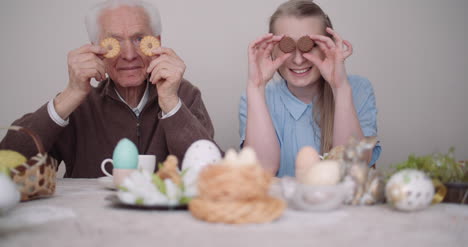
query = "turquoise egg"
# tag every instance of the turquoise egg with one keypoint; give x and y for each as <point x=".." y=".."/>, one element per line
<point x="125" y="155"/>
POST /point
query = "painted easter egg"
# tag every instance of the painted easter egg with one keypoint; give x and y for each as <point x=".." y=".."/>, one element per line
<point x="201" y="153"/>
<point x="409" y="190"/>
<point x="125" y="155"/>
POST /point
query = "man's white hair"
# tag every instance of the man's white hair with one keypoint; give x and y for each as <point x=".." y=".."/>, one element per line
<point x="92" y="17"/>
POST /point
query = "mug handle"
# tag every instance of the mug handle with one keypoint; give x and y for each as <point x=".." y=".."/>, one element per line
<point x="103" y="166"/>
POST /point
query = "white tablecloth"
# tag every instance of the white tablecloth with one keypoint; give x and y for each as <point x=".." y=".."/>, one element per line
<point x="79" y="215"/>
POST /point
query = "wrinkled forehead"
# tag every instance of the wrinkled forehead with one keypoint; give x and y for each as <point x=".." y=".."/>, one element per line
<point x="124" y="22"/>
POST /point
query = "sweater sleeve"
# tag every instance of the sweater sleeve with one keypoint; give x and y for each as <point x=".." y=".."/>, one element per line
<point x="189" y="124"/>
<point x="39" y="122"/>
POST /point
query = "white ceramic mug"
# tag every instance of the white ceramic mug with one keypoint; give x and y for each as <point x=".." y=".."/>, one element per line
<point x="146" y="162"/>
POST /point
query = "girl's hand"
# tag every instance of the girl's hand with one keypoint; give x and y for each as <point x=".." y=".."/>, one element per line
<point x="332" y="65"/>
<point x="262" y="66"/>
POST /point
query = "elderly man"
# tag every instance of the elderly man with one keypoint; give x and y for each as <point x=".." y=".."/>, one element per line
<point x="144" y="98"/>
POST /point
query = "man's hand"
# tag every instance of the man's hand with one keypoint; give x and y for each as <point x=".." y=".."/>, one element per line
<point x="166" y="70"/>
<point x="84" y="63"/>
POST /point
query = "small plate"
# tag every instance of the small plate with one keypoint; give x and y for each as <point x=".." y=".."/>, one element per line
<point x="107" y="183"/>
<point x="117" y="203"/>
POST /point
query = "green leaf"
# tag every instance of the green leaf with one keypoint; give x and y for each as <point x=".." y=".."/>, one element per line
<point x="438" y="165"/>
<point x="160" y="185"/>
<point x="184" y="200"/>
<point x="183" y="172"/>
<point x="122" y="188"/>
<point x="139" y="201"/>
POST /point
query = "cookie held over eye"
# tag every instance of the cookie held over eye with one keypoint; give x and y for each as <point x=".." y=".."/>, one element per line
<point x="112" y="46"/>
<point x="287" y="44"/>
<point x="148" y="43"/>
<point x="305" y="44"/>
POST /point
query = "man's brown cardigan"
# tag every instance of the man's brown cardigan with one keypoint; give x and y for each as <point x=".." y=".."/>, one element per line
<point x="103" y="119"/>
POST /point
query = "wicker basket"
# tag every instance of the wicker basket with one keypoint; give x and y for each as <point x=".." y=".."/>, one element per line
<point x="233" y="182"/>
<point x="262" y="210"/>
<point x="36" y="177"/>
<point x="235" y="194"/>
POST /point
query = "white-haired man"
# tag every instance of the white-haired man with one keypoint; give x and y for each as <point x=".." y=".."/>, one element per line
<point x="144" y="98"/>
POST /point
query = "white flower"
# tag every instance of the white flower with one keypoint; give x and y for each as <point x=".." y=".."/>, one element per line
<point x="174" y="193"/>
<point x="190" y="180"/>
<point x="138" y="188"/>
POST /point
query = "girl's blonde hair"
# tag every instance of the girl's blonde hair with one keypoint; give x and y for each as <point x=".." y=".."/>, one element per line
<point x="324" y="104"/>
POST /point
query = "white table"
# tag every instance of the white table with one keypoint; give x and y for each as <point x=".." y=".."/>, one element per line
<point x="78" y="215"/>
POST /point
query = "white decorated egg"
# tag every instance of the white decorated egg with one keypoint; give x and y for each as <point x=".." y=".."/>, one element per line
<point x="409" y="190"/>
<point x="200" y="154"/>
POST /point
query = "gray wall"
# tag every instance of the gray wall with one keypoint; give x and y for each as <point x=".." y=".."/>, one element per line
<point x="414" y="52"/>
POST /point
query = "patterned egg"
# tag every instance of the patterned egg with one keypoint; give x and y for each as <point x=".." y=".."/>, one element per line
<point x="201" y="153"/>
<point x="409" y="190"/>
<point x="125" y="155"/>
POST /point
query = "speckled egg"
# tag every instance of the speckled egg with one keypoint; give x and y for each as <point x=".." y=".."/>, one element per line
<point x="409" y="190"/>
<point x="125" y="155"/>
<point x="305" y="158"/>
<point x="201" y="153"/>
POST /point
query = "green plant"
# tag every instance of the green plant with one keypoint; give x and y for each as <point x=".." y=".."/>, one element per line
<point x="438" y="165"/>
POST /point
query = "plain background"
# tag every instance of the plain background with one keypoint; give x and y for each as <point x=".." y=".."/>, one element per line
<point x="414" y="52"/>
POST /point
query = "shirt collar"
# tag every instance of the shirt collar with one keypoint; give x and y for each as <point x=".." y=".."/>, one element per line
<point x="137" y="110"/>
<point x="295" y="107"/>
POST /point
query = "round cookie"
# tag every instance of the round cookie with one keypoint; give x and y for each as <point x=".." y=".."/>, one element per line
<point x="148" y="43"/>
<point x="305" y="44"/>
<point x="287" y="44"/>
<point x="112" y="46"/>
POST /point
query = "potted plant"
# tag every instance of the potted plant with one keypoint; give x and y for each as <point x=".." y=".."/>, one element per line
<point x="444" y="167"/>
